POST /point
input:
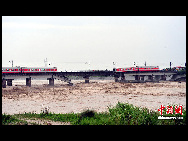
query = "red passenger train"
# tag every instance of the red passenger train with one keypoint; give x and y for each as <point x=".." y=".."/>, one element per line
<point x="138" y="68"/>
<point x="28" y="69"/>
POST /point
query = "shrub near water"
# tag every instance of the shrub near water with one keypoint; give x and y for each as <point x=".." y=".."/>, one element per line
<point x="126" y="114"/>
<point x="11" y="120"/>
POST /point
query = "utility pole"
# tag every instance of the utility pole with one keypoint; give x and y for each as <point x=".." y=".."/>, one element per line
<point x="145" y="63"/>
<point x="45" y="61"/>
<point x="12" y="62"/>
<point x="170" y="65"/>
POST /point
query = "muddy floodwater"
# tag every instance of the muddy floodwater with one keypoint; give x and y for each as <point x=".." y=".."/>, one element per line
<point x="97" y="95"/>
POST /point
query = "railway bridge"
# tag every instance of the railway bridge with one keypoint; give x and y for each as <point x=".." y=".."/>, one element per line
<point x="63" y="76"/>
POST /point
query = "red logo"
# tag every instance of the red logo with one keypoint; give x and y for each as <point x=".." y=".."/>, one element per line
<point x="161" y="109"/>
<point x="169" y="110"/>
<point x="178" y="110"/>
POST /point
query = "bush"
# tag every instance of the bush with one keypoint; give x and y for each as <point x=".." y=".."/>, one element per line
<point x="11" y="120"/>
<point x="121" y="114"/>
<point x="127" y="114"/>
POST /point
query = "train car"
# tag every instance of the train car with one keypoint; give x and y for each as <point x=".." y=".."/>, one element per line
<point x="11" y="69"/>
<point x="138" y="68"/>
<point x="28" y="69"/>
<point x="38" y="69"/>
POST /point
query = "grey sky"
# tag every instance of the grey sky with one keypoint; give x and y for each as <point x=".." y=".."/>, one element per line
<point x="70" y="41"/>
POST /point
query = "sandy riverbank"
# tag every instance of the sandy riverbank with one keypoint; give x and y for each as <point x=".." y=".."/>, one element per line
<point x="98" y="95"/>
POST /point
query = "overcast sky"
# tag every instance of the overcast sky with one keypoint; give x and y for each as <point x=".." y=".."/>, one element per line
<point x="70" y="41"/>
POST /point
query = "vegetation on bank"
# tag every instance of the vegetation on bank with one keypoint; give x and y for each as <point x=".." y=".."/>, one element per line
<point x="121" y="114"/>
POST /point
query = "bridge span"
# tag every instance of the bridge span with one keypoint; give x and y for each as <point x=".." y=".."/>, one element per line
<point x="64" y="76"/>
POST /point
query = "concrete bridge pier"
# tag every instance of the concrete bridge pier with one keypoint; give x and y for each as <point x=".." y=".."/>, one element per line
<point x="142" y="77"/>
<point x="9" y="82"/>
<point x="86" y="79"/>
<point x="137" y="77"/>
<point x="123" y="77"/>
<point x="4" y="83"/>
<point x="51" y="81"/>
<point x="116" y="78"/>
<point x="28" y="81"/>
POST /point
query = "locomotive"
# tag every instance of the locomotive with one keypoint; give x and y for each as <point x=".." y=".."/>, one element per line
<point x="28" y="69"/>
<point x="138" y="68"/>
